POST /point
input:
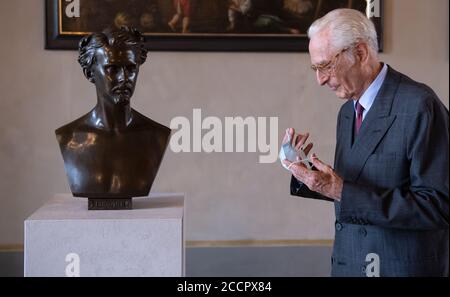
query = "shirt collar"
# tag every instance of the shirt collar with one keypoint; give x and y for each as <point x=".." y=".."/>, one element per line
<point x="369" y="95"/>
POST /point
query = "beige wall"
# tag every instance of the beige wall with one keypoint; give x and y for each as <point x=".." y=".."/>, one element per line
<point x="230" y="196"/>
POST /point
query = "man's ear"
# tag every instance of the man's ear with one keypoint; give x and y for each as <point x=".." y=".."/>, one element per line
<point x="362" y="52"/>
<point x="89" y="75"/>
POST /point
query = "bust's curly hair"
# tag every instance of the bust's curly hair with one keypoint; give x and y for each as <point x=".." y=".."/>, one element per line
<point x="126" y="36"/>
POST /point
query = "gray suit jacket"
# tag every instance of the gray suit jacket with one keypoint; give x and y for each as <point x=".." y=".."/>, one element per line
<point x="395" y="199"/>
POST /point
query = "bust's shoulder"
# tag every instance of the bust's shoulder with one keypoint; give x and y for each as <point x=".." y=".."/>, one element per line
<point x="85" y="124"/>
<point x="82" y="124"/>
<point x="142" y="123"/>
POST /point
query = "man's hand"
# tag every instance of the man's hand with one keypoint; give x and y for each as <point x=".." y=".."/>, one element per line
<point x="299" y="141"/>
<point x="324" y="181"/>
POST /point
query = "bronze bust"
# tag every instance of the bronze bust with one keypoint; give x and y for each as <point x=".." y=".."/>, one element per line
<point x="112" y="153"/>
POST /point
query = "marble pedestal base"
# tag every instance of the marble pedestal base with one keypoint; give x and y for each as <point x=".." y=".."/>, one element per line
<point x="63" y="238"/>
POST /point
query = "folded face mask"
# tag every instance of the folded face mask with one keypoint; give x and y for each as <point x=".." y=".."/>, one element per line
<point x="288" y="152"/>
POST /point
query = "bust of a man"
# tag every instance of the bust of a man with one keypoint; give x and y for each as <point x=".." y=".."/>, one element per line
<point x="112" y="152"/>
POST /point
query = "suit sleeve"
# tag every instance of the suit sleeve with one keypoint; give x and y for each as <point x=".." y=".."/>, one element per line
<point x="300" y="189"/>
<point x="421" y="203"/>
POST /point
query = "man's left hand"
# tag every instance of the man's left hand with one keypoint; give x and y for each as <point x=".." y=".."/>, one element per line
<point x="324" y="181"/>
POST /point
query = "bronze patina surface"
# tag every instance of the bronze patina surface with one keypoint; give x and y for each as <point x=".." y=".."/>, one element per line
<point x="112" y="152"/>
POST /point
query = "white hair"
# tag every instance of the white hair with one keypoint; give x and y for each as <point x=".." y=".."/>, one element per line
<point x="346" y="27"/>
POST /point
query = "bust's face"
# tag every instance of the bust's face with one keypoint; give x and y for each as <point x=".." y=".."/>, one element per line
<point x="115" y="72"/>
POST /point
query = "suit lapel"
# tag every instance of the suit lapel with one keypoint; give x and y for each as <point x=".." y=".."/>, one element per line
<point x="375" y="125"/>
<point x="348" y="125"/>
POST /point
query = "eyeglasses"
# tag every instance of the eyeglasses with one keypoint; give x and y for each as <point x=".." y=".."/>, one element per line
<point x="327" y="68"/>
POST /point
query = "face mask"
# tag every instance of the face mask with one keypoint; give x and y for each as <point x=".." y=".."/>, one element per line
<point x="287" y="152"/>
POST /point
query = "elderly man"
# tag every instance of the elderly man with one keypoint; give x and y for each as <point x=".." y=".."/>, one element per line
<point x="390" y="178"/>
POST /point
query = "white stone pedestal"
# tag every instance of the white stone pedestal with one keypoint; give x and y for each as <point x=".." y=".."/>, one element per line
<point x="63" y="238"/>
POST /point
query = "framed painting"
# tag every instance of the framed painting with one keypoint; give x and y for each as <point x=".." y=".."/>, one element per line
<point x="200" y="25"/>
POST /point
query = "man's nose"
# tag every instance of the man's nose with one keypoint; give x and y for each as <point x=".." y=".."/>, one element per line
<point x="321" y="78"/>
<point x="121" y="74"/>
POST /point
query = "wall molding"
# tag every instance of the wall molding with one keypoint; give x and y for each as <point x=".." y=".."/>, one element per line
<point x="11" y="247"/>
<point x="259" y="243"/>
<point x="221" y="243"/>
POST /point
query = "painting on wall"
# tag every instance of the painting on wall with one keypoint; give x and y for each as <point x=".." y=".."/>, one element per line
<point x="199" y="25"/>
